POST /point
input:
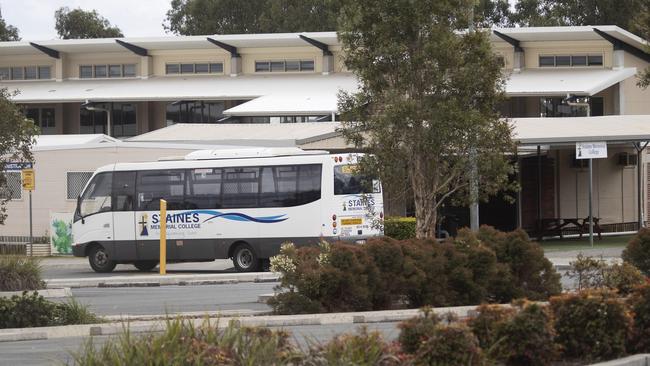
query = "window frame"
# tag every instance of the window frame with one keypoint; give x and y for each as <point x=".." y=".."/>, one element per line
<point x="267" y="65"/>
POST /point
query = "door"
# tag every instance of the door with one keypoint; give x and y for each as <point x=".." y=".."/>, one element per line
<point x="124" y="215"/>
<point x="95" y="209"/>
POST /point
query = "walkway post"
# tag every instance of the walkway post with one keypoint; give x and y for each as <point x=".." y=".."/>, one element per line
<point x="163" y="237"/>
<point x="591" y="216"/>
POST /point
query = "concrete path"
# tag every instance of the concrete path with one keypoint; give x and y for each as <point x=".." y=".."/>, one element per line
<point x="562" y="259"/>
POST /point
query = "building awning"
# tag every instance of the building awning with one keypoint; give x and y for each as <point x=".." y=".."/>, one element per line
<point x="246" y="134"/>
<point x="324" y="102"/>
<point x="569" y="130"/>
<point x="183" y="88"/>
<point x="560" y="82"/>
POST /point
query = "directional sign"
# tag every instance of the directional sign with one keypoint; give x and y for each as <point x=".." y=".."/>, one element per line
<point x="29" y="180"/>
<point x="591" y="150"/>
<point x="17" y="166"/>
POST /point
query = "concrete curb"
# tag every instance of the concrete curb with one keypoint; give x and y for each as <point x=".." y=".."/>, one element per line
<point x="166" y="280"/>
<point x="636" y="360"/>
<point x="156" y="323"/>
<point x="50" y="293"/>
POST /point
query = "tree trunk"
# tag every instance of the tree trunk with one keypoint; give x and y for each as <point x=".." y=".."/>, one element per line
<point x="425" y="202"/>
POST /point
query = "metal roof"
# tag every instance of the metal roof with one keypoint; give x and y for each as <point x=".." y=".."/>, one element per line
<point x="554" y="82"/>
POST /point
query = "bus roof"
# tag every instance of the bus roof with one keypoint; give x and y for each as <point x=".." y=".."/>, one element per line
<point x="263" y="152"/>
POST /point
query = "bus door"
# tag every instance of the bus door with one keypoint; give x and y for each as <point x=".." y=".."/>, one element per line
<point x="124" y="215"/>
<point x="94" y="210"/>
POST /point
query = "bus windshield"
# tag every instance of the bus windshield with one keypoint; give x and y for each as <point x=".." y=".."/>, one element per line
<point x="347" y="180"/>
<point x="97" y="196"/>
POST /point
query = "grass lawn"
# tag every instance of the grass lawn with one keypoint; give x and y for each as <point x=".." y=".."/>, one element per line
<point x="556" y="245"/>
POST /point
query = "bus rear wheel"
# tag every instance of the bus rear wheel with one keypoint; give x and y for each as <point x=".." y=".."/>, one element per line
<point x="99" y="260"/>
<point x="245" y="259"/>
<point x="145" y="266"/>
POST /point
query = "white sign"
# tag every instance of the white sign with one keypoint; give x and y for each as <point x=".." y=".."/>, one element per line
<point x="591" y="150"/>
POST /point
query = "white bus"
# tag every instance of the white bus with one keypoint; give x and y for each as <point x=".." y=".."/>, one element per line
<point x="240" y="204"/>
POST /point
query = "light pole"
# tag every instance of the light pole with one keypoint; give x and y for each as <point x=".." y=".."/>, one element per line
<point x="92" y="106"/>
<point x="573" y="100"/>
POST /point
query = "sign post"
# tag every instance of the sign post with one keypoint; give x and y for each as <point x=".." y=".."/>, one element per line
<point x="163" y="237"/>
<point x="591" y="150"/>
<point x="29" y="183"/>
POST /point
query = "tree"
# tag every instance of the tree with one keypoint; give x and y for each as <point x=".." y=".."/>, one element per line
<point x="7" y="31"/>
<point x="427" y="102"/>
<point x="642" y="24"/>
<point x="16" y="139"/>
<point x="79" y="24"/>
<point x="488" y="13"/>
<point x="299" y="16"/>
<point x="539" y="13"/>
<point x="197" y="17"/>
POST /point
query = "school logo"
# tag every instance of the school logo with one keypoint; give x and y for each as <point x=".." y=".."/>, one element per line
<point x="143" y="222"/>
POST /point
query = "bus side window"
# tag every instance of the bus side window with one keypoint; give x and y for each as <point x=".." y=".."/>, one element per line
<point x="155" y="185"/>
<point x="123" y="191"/>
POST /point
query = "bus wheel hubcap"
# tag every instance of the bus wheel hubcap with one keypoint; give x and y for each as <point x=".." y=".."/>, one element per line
<point x="245" y="258"/>
<point x="100" y="258"/>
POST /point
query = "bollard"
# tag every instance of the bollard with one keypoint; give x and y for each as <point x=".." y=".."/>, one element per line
<point x="163" y="237"/>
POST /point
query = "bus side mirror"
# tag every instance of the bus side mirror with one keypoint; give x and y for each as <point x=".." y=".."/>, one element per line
<point x="77" y="212"/>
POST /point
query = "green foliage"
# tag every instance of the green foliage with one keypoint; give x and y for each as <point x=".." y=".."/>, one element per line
<point x="527" y="338"/>
<point x="363" y="348"/>
<point x="18" y="273"/>
<point x="428" y="102"/>
<point x="16" y="140"/>
<point x="525" y="271"/>
<point x="594" y="273"/>
<point x="80" y="24"/>
<point x="485" y="324"/>
<point x="387" y="274"/>
<point x="183" y="343"/>
<point x="33" y="310"/>
<point x="450" y="345"/>
<point x="7" y="31"/>
<point x="639" y="304"/>
<point x="415" y="331"/>
<point x="198" y="17"/>
<point x="637" y="251"/>
<point x="591" y="325"/>
<point x="62" y="238"/>
<point x="400" y="228"/>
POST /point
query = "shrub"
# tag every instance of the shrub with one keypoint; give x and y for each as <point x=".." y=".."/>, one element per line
<point x="400" y="228"/>
<point x="73" y="312"/>
<point x="415" y="331"/>
<point x="19" y="273"/>
<point x="591" y="325"/>
<point x="596" y="273"/>
<point x="637" y="251"/>
<point x="531" y="274"/>
<point x="183" y="343"/>
<point x="527" y="338"/>
<point x="362" y="348"/>
<point x="450" y="345"/>
<point x="25" y="311"/>
<point x="292" y="302"/>
<point x="639" y="303"/>
<point x="485" y="324"/>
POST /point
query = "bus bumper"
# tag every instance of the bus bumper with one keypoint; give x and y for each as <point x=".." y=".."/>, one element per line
<point x="79" y="250"/>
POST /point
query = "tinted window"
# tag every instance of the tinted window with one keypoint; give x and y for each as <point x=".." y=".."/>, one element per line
<point x="293" y="65"/>
<point x="562" y="60"/>
<point x="240" y="187"/>
<point x="201" y="68"/>
<point x="546" y="61"/>
<point x="17" y="73"/>
<point x="44" y="72"/>
<point x="348" y="181"/>
<point x="161" y="184"/>
<point x="31" y="72"/>
<point x="129" y="70"/>
<point x="4" y="73"/>
<point x="187" y="68"/>
<point x="204" y="188"/>
<point x="579" y="60"/>
<point x="115" y="71"/>
<point x="262" y="66"/>
<point x="172" y="68"/>
<point x="216" y="67"/>
<point x="123" y="191"/>
<point x="595" y="60"/>
<point x="101" y="71"/>
<point x="277" y="66"/>
<point x="307" y="65"/>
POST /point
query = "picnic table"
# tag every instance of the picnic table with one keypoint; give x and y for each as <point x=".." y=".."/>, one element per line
<point x="554" y="226"/>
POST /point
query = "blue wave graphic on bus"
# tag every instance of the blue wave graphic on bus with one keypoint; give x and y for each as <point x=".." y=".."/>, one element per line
<point x="238" y="216"/>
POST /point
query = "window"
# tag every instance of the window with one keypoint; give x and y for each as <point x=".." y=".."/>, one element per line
<point x="128" y="70"/>
<point x="123" y="191"/>
<point x="5" y="73"/>
<point x="555" y="107"/>
<point x="31" y="73"/>
<point x="195" y="112"/>
<point x="97" y="197"/>
<point x="570" y="60"/>
<point x="101" y="71"/>
<point x="114" y="71"/>
<point x="14" y="189"/>
<point x="76" y="181"/>
<point x="92" y="121"/>
<point x="204" y="188"/>
<point x="348" y="181"/>
<point x="194" y="68"/>
<point x="43" y="118"/>
<point x="240" y="187"/>
<point x="284" y="65"/>
<point x="17" y="73"/>
<point x="44" y="72"/>
<point x="85" y="71"/>
<point x="155" y="185"/>
<point x="123" y="119"/>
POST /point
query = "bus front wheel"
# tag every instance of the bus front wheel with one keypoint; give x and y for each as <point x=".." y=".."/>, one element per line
<point x="245" y="259"/>
<point x="145" y="266"/>
<point x="99" y="260"/>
